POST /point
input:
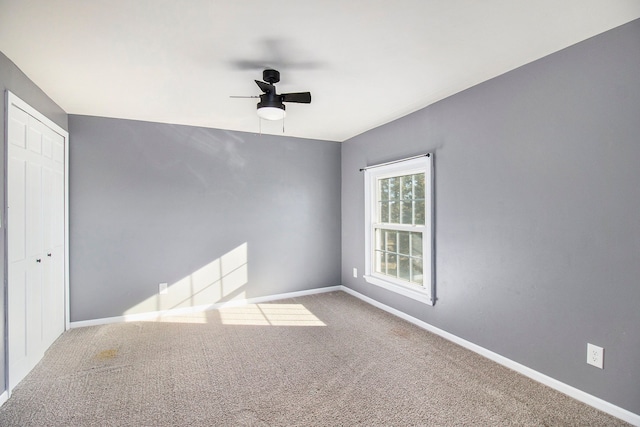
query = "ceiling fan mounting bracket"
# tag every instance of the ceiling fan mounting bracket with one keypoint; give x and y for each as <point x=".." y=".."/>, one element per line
<point x="271" y="76"/>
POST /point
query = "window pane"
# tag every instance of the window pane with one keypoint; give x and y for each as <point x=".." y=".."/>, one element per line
<point x="419" y="212"/>
<point x="394" y="216"/>
<point x="407" y="187"/>
<point x="416" y="270"/>
<point x="394" y="188"/>
<point x="404" y="267"/>
<point x="392" y="265"/>
<point x="407" y="212"/>
<point x="391" y="240"/>
<point x="403" y="244"/>
<point x="384" y="212"/>
<point x="418" y="182"/>
<point x="384" y="189"/>
<point x="416" y="244"/>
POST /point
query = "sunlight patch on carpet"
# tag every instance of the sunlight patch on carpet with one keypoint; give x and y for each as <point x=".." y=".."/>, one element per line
<point x="270" y="315"/>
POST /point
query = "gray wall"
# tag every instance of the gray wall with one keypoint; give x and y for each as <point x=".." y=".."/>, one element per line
<point x="153" y="203"/>
<point x="11" y="78"/>
<point x="537" y="177"/>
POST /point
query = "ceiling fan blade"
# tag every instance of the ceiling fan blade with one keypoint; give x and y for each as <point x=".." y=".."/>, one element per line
<point x="266" y="87"/>
<point x="301" y="97"/>
<point x="242" y="96"/>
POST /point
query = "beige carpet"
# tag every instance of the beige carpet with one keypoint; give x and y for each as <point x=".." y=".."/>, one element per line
<point x="326" y="359"/>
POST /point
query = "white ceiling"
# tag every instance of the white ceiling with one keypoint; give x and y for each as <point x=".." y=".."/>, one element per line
<point x="366" y="62"/>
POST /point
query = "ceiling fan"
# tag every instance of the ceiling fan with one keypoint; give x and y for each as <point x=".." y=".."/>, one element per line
<point x="271" y="105"/>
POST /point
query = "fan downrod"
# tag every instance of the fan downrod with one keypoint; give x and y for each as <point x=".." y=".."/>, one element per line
<point x="271" y="76"/>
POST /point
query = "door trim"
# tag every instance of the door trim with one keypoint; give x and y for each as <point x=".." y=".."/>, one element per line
<point x="13" y="100"/>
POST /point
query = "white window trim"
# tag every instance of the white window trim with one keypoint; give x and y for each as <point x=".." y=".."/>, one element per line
<point x="426" y="293"/>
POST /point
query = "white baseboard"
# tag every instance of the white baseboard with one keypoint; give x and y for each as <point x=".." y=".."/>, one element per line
<point x="157" y="315"/>
<point x="573" y="392"/>
<point x="4" y="397"/>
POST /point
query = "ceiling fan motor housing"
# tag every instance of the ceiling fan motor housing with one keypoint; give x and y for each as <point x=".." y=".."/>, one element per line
<point x="271" y="99"/>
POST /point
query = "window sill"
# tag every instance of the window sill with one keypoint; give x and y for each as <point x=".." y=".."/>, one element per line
<point x="407" y="292"/>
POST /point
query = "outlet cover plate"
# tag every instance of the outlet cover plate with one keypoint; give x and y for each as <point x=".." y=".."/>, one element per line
<point x="163" y="289"/>
<point x="595" y="356"/>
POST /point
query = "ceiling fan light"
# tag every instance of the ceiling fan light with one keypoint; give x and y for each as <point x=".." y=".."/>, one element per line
<point x="271" y="113"/>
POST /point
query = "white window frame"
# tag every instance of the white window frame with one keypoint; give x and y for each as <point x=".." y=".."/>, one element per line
<point x="372" y="174"/>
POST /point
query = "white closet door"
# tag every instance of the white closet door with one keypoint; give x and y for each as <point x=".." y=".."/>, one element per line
<point x="36" y="230"/>
<point x="17" y="247"/>
<point x="53" y="238"/>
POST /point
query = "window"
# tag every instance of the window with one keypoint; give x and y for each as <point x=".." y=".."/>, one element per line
<point x="399" y="240"/>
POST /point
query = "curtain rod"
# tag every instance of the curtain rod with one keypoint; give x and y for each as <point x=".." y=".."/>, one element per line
<point x="395" y="161"/>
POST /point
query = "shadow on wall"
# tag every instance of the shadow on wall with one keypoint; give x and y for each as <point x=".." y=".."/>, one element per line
<point x="220" y="280"/>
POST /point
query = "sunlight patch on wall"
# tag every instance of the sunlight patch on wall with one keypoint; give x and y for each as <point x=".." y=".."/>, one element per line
<point x="269" y="315"/>
<point x="220" y="280"/>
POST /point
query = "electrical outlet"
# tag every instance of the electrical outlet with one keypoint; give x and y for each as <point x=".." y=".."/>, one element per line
<point x="163" y="289"/>
<point x="355" y="272"/>
<point x="595" y="356"/>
